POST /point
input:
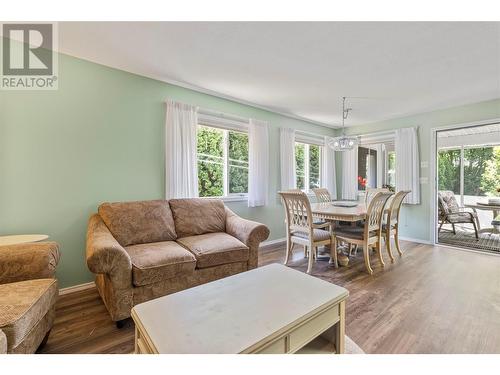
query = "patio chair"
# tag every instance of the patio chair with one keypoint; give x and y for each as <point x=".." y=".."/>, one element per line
<point x="451" y="213"/>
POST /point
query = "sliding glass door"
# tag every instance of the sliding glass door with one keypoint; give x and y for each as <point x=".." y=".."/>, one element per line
<point x="468" y="174"/>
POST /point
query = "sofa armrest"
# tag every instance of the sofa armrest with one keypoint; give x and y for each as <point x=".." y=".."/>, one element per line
<point x="3" y="343"/>
<point x="249" y="232"/>
<point x="105" y="255"/>
<point x="27" y="261"/>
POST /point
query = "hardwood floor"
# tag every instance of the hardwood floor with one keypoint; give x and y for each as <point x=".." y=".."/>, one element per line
<point x="432" y="300"/>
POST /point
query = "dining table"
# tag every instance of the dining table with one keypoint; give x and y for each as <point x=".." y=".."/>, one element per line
<point x="332" y="212"/>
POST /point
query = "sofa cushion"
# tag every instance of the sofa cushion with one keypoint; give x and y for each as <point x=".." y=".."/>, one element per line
<point x="214" y="249"/>
<point x="153" y="262"/>
<point x="198" y="216"/>
<point x="139" y="222"/>
<point x="3" y="343"/>
<point x="22" y="305"/>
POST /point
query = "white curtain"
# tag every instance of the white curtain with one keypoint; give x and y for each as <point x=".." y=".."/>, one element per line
<point x="287" y="158"/>
<point x="329" y="179"/>
<point x="258" y="163"/>
<point x="380" y="164"/>
<point x="350" y="174"/>
<point x="181" y="172"/>
<point x="408" y="164"/>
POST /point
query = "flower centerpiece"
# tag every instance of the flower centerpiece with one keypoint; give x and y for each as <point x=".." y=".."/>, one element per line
<point x="362" y="181"/>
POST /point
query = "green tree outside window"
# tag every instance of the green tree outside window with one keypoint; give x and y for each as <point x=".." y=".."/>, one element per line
<point x="217" y="148"/>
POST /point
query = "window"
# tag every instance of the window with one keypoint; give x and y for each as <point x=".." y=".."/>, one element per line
<point x="391" y="169"/>
<point x="377" y="161"/>
<point x="479" y="176"/>
<point x="308" y="166"/>
<point x="367" y="168"/>
<point x="449" y="170"/>
<point x="222" y="162"/>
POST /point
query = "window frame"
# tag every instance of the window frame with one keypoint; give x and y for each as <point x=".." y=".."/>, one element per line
<point x="307" y="172"/>
<point x="388" y="153"/>
<point x="228" y="197"/>
<point x="367" y="167"/>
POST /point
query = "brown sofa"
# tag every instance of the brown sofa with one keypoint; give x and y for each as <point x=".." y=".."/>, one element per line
<point x="148" y="249"/>
<point x="28" y="293"/>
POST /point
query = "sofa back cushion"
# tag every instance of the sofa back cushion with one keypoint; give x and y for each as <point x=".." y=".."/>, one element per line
<point x="194" y="216"/>
<point x="139" y="222"/>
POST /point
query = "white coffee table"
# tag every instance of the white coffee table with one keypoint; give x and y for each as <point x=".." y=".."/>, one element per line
<point x="272" y="309"/>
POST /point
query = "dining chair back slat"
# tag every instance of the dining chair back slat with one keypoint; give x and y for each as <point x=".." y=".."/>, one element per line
<point x="395" y="206"/>
<point x="298" y="211"/>
<point x="322" y="195"/>
<point x="375" y="212"/>
<point x="371" y="192"/>
<point x="391" y="227"/>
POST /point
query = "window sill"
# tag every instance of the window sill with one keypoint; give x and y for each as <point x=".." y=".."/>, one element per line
<point x="236" y="198"/>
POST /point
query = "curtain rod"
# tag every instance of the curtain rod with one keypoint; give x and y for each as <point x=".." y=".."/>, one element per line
<point x="210" y="112"/>
<point x="307" y="134"/>
<point x="377" y="133"/>
<point x="382" y="132"/>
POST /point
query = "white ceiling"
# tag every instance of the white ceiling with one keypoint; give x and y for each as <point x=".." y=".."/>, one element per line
<point x="471" y="136"/>
<point x="304" y="68"/>
<point x="492" y="130"/>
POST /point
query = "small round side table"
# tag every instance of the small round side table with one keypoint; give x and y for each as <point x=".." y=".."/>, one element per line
<point x="21" y="238"/>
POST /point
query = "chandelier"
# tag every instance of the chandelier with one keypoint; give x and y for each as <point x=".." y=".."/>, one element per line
<point x="344" y="142"/>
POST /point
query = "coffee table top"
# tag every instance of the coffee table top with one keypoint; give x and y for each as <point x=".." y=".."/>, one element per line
<point x="21" y="238"/>
<point x="232" y="314"/>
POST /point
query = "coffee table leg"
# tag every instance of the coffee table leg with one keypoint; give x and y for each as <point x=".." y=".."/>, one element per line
<point x="340" y="330"/>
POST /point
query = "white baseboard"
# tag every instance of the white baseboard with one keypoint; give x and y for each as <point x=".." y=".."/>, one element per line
<point x="283" y="240"/>
<point x="76" y="288"/>
<point x="272" y="242"/>
<point x="417" y="240"/>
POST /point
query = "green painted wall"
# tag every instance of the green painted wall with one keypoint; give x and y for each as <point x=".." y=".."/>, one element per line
<point x="99" y="138"/>
<point x="416" y="219"/>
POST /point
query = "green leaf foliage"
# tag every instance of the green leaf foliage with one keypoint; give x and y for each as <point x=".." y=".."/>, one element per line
<point x="210" y="147"/>
<point x="481" y="170"/>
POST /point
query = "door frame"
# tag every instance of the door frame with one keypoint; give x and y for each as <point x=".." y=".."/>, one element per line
<point x="433" y="168"/>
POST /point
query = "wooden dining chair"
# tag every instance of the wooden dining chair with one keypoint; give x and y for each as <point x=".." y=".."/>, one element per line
<point x="370" y="235"/>
<point x="301" y="230"/>
<point x="322" y="195"/>
<point x="391" y="226"/>
<point x="371" y="192"/>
